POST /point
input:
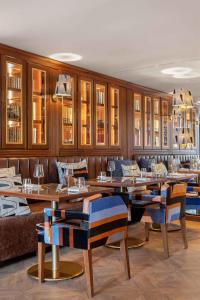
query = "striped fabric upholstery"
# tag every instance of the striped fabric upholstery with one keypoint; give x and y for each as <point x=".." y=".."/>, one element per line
<point x="102" y="219"/>
<point x="193" y="200"/>
<point x="167" y="206"/>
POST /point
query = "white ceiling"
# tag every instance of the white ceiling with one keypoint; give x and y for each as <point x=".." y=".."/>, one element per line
<point x="130" y="39"/>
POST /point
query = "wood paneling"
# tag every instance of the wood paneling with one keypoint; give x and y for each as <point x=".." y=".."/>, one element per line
<point x="55" y="148"/>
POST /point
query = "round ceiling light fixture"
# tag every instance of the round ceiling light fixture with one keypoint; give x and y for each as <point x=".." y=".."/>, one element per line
<point x="176" y="71"/>
<point x="66" y="57"/>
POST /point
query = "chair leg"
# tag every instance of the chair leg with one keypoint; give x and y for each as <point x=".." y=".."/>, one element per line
<point x="146" y="232"/>
<point x="183" y="231"/>
<point x="87" y="255"/>
<point x="41" y="261"/>
<point x="124" y="252"/>
<point x="165" y="239"/>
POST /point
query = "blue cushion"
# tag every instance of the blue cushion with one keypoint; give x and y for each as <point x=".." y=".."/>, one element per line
<point x="143" y="163"/>
<point x="118" y="166"/>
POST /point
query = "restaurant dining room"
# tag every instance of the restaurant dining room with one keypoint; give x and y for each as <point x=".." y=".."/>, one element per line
<point x="99" y="150"/>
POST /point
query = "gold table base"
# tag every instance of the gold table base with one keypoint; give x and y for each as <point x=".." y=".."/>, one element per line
<point x="171" y="227"/>
<point x="67" y="270"/>
<point x="132" y="243"/>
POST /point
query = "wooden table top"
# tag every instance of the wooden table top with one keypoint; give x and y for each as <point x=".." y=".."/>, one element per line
<point x="48" y="193"/>
<point x="121" y="182"/>
<point x="189" y="171"/>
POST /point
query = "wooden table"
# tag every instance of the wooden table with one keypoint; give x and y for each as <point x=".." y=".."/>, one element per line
<point x="55" y="270"/>
<point x="135" y="182"/>
<point x="191" y="172"/>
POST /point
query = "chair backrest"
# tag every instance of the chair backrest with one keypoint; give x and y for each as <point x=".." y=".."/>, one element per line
<point x="107" y="218"/>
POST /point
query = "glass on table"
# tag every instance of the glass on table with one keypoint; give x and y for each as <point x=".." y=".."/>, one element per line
<point x="27" y="183"/>
<point x="102" y="175"/>
<point x="111" y="167"/>
<point x="80" y="182"/>
<point x="143" y="172"/>
<point x="38" y="172"/>
<point x="69" y="173"/>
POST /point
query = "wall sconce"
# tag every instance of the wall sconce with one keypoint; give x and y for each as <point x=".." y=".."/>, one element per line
<point x="63" y="87"/>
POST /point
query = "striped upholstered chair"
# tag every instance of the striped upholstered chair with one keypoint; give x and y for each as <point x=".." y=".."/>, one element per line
<point x="192" y="198"/>
<point x="102" y="219"/>
<point x="167" y="206"/>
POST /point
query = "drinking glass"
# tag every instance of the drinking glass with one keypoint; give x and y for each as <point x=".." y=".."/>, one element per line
<point x="38" y="172"/>
<point x="26" y="183"/>
<point x="102" y="175"/>
<point x="143" y="172"/>
<point x="81" y="182"/>
<point x="111" y="167"/>
<point x="68" y="174"/>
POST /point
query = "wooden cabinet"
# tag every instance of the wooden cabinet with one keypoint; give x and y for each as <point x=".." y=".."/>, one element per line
<point x="85" y="113"/>
<point x="68" y="124"/>
<point x="137" y="120"/>
<point x="13" y="103"/>
<point x="114" y="116"/>
<point x="38" y="91"/>
<point x="100" y="114"/>
<point x="165" y="124"/>
<point x="147" y="122"/>
<point x="156" y="124"/>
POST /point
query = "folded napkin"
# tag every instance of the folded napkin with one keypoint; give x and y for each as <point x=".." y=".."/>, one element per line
<point x="192" y="194"/>
<point x="104" y="178"/>
<point x="142" y="179"/>
<point x="76" y="189"/>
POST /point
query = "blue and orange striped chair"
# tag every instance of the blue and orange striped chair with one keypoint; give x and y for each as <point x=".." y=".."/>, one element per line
<point x="193" y="199"/>
<point x="168" y="206"/>
<point x="102" y="219"/>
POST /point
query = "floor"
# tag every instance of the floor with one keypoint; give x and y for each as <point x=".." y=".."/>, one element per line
<point x="153" y="276"/>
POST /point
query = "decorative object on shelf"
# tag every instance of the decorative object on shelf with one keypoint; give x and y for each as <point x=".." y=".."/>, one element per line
<point x="182" y="99"/>
<point x="182" y="118"/>
<point x="63" y="86"/>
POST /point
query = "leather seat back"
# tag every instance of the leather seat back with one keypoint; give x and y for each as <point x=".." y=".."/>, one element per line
<point x="25" y="166"/>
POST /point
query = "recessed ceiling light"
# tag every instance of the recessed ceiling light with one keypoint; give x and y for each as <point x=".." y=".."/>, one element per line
<point x="176" y="70"/>
<point x="187" y="75"/>
<point x="66" y="57"/>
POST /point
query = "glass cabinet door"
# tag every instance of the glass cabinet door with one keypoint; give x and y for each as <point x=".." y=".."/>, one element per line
<point x="137" y="121"/>
<point x="68" y="120"/>
<point x="114" y="116"/>
<point x="86" y="113"/>
<point x="39" y="107"/>
<point x="100" y="114"/>
<point x="13" y="118"/>
<point x="147" y="122"/>
<point x="165" y="124"/>
<point x="156" y="123"/>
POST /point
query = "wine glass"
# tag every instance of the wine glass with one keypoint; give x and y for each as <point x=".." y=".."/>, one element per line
<point x="111" y="167"/>
<point x="38" y="172"/>
<point x="69" y="173"/>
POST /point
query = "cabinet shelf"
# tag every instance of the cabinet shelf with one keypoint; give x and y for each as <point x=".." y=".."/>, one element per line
<point x="14" y="89"/>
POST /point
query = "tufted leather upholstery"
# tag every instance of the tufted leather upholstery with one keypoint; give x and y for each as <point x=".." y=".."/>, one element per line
<point x="25" y="166"/>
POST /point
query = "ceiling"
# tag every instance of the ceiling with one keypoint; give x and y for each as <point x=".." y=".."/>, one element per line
<point x="131" y="39"/>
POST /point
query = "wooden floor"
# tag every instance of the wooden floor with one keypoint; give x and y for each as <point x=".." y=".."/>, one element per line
<point x="153" y="277"/>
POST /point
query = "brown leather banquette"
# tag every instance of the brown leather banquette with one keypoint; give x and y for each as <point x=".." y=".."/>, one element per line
<point x="17" y="234"/>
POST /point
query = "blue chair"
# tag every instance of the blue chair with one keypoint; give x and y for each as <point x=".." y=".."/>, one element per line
<point x="102" y="220"/>
<point x="166" y="207"/>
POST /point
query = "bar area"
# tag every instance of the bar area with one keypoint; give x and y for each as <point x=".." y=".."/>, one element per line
<point x="99" y="154"/>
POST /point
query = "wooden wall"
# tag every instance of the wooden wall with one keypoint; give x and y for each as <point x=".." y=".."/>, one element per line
<point x="54" y="109"/>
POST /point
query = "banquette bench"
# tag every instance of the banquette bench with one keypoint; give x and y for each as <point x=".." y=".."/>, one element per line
<point x="17" y="234"/>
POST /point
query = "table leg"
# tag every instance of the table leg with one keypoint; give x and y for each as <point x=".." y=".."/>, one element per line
<point x="57" y="270"/>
